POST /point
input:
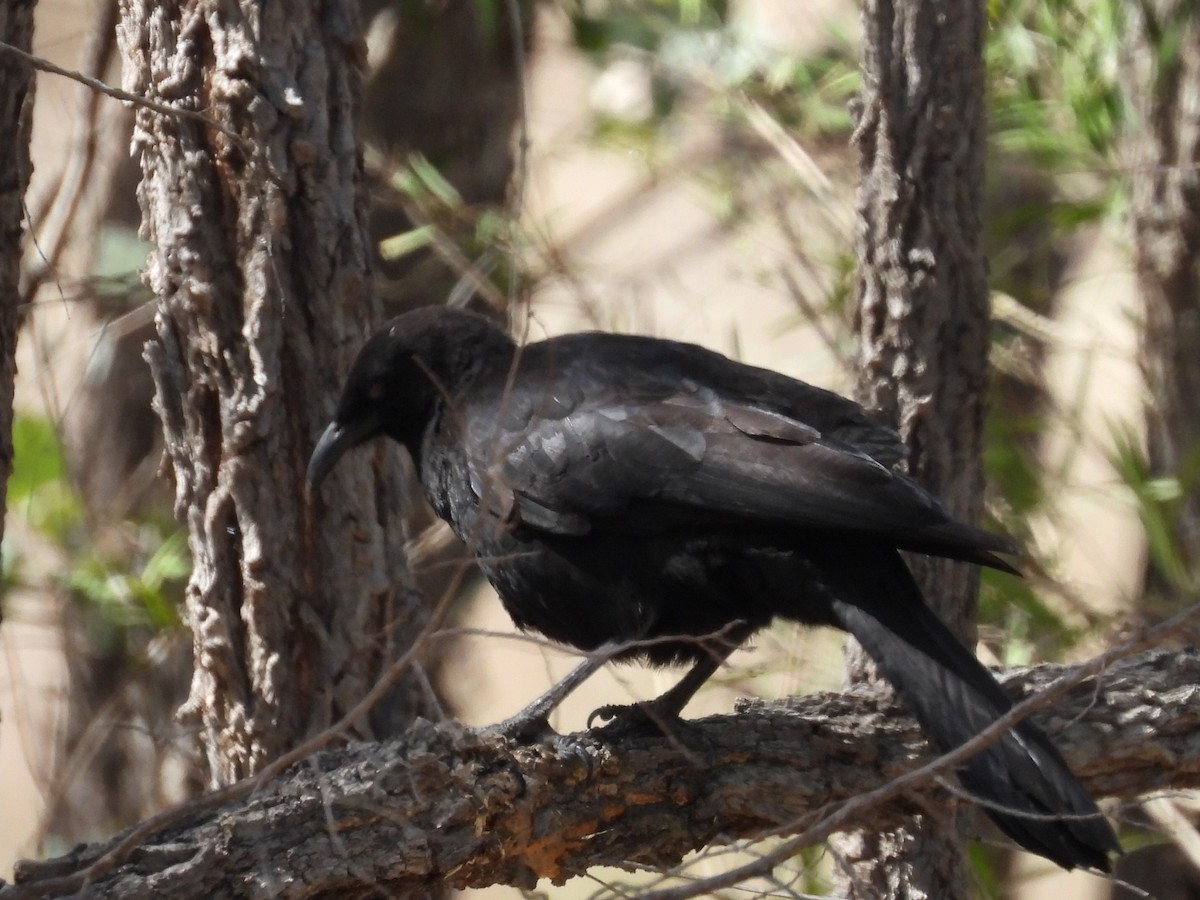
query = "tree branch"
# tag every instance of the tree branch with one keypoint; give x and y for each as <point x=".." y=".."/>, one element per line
<point x="446" y="805"/>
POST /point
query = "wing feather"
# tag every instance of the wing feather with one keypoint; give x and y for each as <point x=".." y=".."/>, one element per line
<point x="702" y="454"/>
<point x="622" y="433"/>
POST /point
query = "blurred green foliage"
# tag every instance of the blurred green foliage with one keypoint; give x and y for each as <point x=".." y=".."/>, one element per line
<point x="1159" y="503"/>
<point x="691" y="49"/>
<point x="132" y="576"/>
<point x="38" y="488"/>
<point x="1053" y="73"/>
<point x="141" y="590"/>
<point x="598" y="26"/>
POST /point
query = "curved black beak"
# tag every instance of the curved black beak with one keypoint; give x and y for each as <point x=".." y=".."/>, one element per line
<point x="336" y="440"/>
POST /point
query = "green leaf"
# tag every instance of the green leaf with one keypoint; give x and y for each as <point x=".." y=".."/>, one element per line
<point x="1163" y="490"/>
<point x="433" y="180"/>
<point x="399" y="245"/>
<point x="170" y="562"/>
<point x="37" y="457"/>
<point x="1158" y="505"/>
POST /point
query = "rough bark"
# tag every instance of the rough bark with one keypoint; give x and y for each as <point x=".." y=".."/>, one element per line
<point x="1165" y="87"/>
<point x="922" y="289"/>
<point x="120" y="753"/>
<point x="16" y="117"/>
<point x="260" y="269"/>
<point x="922" y="309"/>
<point x="446" y="806"/>
<point x="120" y="746"/>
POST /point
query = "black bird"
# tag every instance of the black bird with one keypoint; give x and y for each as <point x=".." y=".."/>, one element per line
<point x="663" y="501"/>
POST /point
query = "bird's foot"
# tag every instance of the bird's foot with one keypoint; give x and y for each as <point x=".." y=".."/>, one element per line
<point x="523" y="728"/>
<point x="648" y="714"/>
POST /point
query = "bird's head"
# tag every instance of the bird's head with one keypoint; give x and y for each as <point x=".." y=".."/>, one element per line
<point x="413" y="363"/>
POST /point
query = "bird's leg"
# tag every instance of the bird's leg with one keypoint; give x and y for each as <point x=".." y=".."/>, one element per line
<point x="533" y="721"/>
<point x="668" y="706"/>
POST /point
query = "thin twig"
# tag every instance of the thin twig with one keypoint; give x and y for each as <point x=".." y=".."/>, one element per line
<point x="52" y="215"/>
<point x="96" y="84"/>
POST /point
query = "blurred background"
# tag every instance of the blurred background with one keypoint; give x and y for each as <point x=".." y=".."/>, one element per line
<point x="681" y="169"/>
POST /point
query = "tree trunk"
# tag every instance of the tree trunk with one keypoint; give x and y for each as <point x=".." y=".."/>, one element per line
<point x="1163" y="61"/>
<point x="1166" y="223"/>
<point x="923" y="310"/>
<point x="260" y="268"/>
<point x="16" y="117"/>
<point x="120" y="752"/>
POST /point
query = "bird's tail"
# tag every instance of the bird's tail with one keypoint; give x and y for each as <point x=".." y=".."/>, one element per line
<point x="1022" y="781"/>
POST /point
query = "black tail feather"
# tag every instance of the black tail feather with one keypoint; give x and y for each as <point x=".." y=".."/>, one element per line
<point x="955" y="540"/>
<point x="1022" y="781"/>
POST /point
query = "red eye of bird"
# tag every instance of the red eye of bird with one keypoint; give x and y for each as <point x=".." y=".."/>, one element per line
<point x="376" y="390"/>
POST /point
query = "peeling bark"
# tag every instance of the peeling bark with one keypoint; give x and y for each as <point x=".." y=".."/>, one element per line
<point x="261" y="271"/>
<point x="444" y="806"/>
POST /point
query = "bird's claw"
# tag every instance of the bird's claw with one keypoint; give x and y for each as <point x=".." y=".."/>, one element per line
<point x="611" y="712"/>
<point x="522" y="729"/>
<point x="642" y="715"/>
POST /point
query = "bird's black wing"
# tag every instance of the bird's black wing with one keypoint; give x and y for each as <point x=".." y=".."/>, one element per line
<point x="594" y="446"/>
<point x="654" y="368"/>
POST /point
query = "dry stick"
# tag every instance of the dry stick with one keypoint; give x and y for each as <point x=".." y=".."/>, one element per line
<point x="455" y="259"/>
<point x="52" y="216"/>
<point x="858" y="806"/>
<point x="96" y="84"/>
<point x="1167" y="815"/>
